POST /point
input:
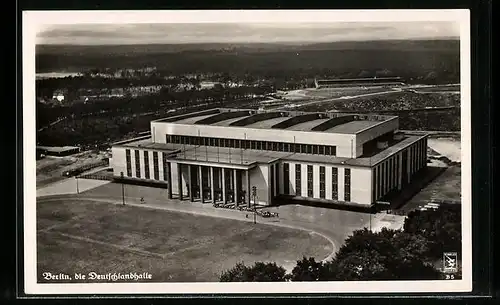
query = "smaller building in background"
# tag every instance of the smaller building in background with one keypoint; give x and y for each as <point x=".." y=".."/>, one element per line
<point x="357" y="82"/>
<point x="58" y="151"/>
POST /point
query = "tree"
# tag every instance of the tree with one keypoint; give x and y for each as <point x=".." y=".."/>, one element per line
<point x="441" y="227"/>
<point x="259" y="272"/>
<point x="385" y="255"/>
<point x="308" y="269"/>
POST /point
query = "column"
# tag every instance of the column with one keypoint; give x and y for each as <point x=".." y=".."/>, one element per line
<point x="190" y="184"/>
<point x="249" y="191"/>
<point x="200" y="179"/>
<point x="169" y="180"/>
<point x="179" y="180"/>
<point x="223" y="184"/>
<point x="212" y="185"/>
<point x="236" y="191"/>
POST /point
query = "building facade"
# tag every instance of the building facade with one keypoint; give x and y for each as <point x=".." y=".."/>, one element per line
<point x="222" y="155"/>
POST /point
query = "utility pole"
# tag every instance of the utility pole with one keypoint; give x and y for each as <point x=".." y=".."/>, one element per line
<point x="77" y="189"/>
<point x="123" y="189"/>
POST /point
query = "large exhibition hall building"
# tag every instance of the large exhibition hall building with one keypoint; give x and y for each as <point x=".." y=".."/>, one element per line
<point x="249" y="156"/>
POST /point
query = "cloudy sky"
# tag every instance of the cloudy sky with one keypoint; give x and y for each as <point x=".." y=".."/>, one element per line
<point x="171" y="33"/>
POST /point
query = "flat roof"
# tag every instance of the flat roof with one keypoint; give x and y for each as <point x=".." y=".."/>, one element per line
<point x="148" y="144"/>
<point x="226" y="155"/>
<point x="246" y="157"/>
<point x="305" y="121"/>
<point x="360" y="161"/>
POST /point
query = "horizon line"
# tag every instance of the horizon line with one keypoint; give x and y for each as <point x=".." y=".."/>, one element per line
<point x="448" y="38"/>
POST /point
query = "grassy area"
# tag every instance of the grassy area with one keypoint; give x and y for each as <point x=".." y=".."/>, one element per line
<point x="88" y="236"/>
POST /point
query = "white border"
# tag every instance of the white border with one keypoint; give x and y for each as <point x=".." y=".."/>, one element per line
<point x="34" y="21"/>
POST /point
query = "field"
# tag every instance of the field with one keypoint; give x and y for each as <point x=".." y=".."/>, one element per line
<point x="86" y="236"/>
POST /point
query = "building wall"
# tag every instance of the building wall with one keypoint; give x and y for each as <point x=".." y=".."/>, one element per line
<point x="361" y="185"/>
<point x="361" y="181"/>
<point x="259" y="177"/>
<point x="118" y="162"/>
<point x="343" y="142"/>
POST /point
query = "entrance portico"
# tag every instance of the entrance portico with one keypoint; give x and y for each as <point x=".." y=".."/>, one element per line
<point x="211" y="182"/>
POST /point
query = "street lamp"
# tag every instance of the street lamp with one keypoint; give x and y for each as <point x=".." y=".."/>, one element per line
<point x="254" y="194"/>
<point x="77" y="189"/>
<point x="123" y="189"/>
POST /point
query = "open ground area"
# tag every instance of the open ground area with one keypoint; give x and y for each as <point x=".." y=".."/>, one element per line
<point x="86" y="236"/>
<point x="50" y="169"/>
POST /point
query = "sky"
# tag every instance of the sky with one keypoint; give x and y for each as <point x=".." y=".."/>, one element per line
<point x="182" y="33"/>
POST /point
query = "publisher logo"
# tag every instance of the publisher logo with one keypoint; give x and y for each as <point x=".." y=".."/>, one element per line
<point x="450" y="262"/>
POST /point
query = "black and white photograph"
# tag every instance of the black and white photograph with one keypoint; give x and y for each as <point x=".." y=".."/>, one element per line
<point x="188" y="152"/>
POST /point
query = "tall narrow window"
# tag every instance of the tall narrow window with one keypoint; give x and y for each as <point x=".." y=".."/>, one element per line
<point x="347" y="182"/>
<point x="310" y="181"/>
<point x="146" y="164"/>
<point x="156" y="170"/>
<point x="286" y="178"/>
<point x="298" y="180"/>
<point x="165" y="167"/>
<point x="137" y="164"/>
<point x="322" y="182"/>
<point x="129" y="162"/>
<point x="335" y="183"/>
<point x="374" y="184"/>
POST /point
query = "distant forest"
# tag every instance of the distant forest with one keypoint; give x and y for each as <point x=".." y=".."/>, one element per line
<point x="409" y="59"/>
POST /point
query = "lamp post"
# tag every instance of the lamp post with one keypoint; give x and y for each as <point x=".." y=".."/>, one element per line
<point x="254" y="194"/>
<point x="77" y="189"/>
<point x="123" y="189"/>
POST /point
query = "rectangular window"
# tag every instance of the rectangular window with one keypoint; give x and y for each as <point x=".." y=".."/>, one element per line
<point x="137" y="164"/>
<point x="146" y="164"/>
<point x="347" y="182"/>
<point x="335" y="182"/>
<point x="309" y="149"/>
<point x="165" y="167"/>
<point x="296" y="148"/>
<point x="374" y="184"/>
<point x="129" y="162"/>
<point x="321" y="150"/>
<point x="379" y="181"/>
<point x="280" y="146"/>
<point x="333" y="150"/>
<point x="156" y="170"/>
<point x="252" y="144"/>
<point x="327" y="150"/>
<point x="322" y="182"/>
<point x="286" y="178"/>
<point x="310" y="181"/>
<point x="277" y="177"/>
<point x="303" y="148"/>
<point x="315" y="149"/>
<point x="298" y="180"/>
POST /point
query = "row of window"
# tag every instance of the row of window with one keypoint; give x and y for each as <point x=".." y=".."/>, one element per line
<point x="147" y="174"/>
<point x="388" y="174"/>
<point x="254" y="144"/>
<point x="322" y="181"/>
